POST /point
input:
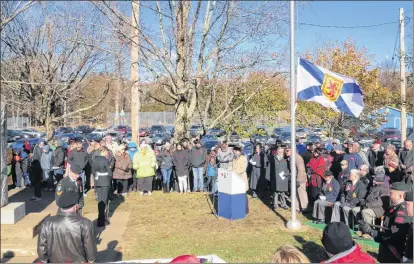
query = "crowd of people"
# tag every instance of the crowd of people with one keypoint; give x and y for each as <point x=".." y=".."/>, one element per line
<point x="370" y="192"/>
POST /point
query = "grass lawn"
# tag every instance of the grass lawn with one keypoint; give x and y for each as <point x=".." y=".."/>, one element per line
<point x="162" y="226"/>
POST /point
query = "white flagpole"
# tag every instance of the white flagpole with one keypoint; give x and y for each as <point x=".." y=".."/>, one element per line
<point x="293" y="223"/>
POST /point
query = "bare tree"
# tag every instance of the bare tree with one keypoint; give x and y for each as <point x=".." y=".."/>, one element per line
<point x="44" y="63"/>
<point x="193" y="43"/>
<point x="9" y="10"/>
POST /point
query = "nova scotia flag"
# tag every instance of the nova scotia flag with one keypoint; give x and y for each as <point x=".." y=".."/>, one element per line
<point x="329" y="89"/>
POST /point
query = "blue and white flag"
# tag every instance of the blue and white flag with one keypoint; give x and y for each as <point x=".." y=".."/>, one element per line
<point x="329" y="89"/>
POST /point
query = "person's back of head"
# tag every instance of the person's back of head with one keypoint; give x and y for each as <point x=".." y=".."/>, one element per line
<point x="289" y="254"/>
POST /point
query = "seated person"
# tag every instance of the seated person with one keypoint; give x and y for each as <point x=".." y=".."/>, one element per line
<point x="365" y="177"/>
<point x="355" y="191"/>
<point x="393" y="172"/>
<point x="372" y="207"/>
<point x="328" y="196"/>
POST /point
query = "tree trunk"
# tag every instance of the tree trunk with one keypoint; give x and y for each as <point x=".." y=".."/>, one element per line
<point x="134" y="72"/>
<point x="4" y="199"/>
<point x="181" y="121"/>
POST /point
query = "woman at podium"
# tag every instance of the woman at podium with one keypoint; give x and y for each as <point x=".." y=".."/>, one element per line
<point x="239" y="164"/>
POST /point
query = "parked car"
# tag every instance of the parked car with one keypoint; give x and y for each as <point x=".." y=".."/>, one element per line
<point x="248" y="149"/>
<point x="277" y="132"/>
<point x="101" y="131"/>
<point x="209" y="141"/>
<point x="160" y="138"/>
<point x="69" y="136"/>
<point x="64" y="130"/>
<point x="157" y="129"/>
<point x="83" y="129"/>
<point x="144" y="132"/>
<point x="20" y="143"/>
<point x="386" y="132"/>
<point x="301" y="133"/>
<point x="260" y="136"/>
<point x="366" y="145"/>
<point x="127" y="138"/>
<point x="93" y="136"/>
<point x="14" y="135"/>
<point x="314" y="138"/>
<point x="195" y="131"/>
<point x="34" y="132"/>
<point x="234" y="139"/>
<point x="116" y="136"/>
<point x="285" y="137"/>
<point x="170" y="130"/>
<point x="217" y="132"/>
<point x="318" y="131"/>
<point x="122" y="129"/>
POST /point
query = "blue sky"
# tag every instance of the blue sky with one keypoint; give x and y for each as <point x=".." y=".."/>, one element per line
<point x="378" y="40"/>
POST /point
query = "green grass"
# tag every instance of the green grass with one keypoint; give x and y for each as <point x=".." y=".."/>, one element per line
<point x="163" y="226"/>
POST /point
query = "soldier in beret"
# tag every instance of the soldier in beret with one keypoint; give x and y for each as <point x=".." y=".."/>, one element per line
<point x="71" y="183"/>
<point x="67" y="237"/>
<point x="392" y="237"/>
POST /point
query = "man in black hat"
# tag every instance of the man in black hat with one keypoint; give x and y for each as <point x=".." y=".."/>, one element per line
<point x="340" y="247"/>
<point x="67" y="237"/>
<point x="308" y="154"/>
<point x="373" y="205"/>
<point x="71" y="183"/>
<point x="79" y="157"/>
<point x="396" y="225"/>
<point x="328" y="196"/>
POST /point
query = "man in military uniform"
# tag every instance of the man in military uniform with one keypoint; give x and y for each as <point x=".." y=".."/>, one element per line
<point x="71" y="183"/>
<point x="392" y="237"/>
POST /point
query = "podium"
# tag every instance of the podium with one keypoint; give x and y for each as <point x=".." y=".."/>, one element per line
<point x="232" y="198"/>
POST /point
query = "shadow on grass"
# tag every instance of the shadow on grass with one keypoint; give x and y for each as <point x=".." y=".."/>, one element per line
<point x="314" y="252"/>
<point x="267" y="200"/>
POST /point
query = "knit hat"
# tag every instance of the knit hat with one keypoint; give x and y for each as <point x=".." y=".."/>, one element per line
<point x="46" y="148"/>
<point x="132" y="145"/>
<point x="336" y="238"/>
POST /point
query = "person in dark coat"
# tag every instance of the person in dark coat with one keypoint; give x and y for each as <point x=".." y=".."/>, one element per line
<point x="308" y="154"/>
<point x="279" y="177"/>
<point x="71" y="183"/>
<point x="372" y="206"/>
<point x="164" y="159"/>
<point x="328" y="196"/>
<point x="355" y="192"/>
<point x="343" y="175"/>
<point x="58" y="161"/>
<point x="337" y="156"/>
<point x="397" y="223"/>
<point x="258" y="162"/>
<point x="102" y="172"/>
<point x="375" y="157"/>
<point x="393" y="172"/>
<point x="181" y="163"/>
<point x="79" y="156"/>
<point x="17" y="168"/>
<point x="36" y="171"/>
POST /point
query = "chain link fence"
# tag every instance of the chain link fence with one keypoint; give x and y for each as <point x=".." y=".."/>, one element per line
<point x="146" y="119"/>
<point x="18" y="122"/>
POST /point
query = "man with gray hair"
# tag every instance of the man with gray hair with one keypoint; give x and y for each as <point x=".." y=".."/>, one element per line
<point x="407" y="161"/>
<point x="354" y="193"/>
<point x="362" y="154"/>
<point x="365" y="177"/>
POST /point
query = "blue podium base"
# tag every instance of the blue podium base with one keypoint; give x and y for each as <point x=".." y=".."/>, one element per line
<point x="233" y="206"/>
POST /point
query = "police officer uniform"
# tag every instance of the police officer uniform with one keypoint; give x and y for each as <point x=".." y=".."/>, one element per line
<point x="392" y="238"/>
<point x="102" y="174"/>
<point x="67" y="184"/>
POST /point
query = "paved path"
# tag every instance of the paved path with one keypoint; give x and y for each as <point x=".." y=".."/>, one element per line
<point x="109" y="238"/>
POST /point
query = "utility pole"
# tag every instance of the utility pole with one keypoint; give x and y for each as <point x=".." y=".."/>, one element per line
<point x="134" y="72"/>
<point x="412" y="73"/>
<point x="403" y="80"/>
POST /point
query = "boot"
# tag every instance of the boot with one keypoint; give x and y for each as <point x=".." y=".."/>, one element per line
<point x="164" y="188"/>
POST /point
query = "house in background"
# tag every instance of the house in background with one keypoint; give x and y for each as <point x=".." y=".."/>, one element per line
<point x="393" y="118"/>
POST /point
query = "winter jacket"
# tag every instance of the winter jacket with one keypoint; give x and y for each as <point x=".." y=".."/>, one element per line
<point x="374" y="199"/>
<point x="198" y="157"/>
<point x="211" y="170"/>
<point x="354" y="161"/>
<point x="407" y="158"/>
<point x="307" y="156"/>
<point x="78" y="157"/>
<point x="278" y="174"/>
<point x="132" y="145"/>
<point x="343" y="178"/>
<point x="37" y="153"/>
<point x="331" y="190"/>
<point x="181" y="162"/>
<point x="317" y="168"/>
<point x="144" y="163"/>
<point x="46" y="159"/>
<point x="364" y="158"/>
<point x="375" y="159"/>
<point x="354" y="193"/>
<point x="58" y="156"/>
<point x="224" y="158"/>
<point x="300" y="148"/>
<point x="353" y="255"/>
<point x="239" y="165"/>
<point x="165" y="159"/>
<point x="300" y="169"/>
<point x="25" y="162"/>
<point x="391" y="158"/>
<point x="336" y="163"/>
<point x="122" y="165"/>
<point x="17" y="165"/>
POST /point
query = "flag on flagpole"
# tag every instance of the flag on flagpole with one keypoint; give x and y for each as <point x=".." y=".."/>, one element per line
<point x="329" y="89"/>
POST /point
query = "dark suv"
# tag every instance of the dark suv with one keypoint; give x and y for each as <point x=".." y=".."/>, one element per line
<point x="157" y="129"/>
<point x="83" y="129"/>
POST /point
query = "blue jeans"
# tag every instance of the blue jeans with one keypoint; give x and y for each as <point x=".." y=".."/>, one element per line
<point x="166" y="176"/>
<point x="198" y="178"/>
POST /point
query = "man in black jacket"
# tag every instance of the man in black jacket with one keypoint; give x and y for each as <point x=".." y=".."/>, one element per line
<point x="375" y="157"/>
<point x="373" y="205"/>
<point x="71" y="183"/>
<point x="79" y="157"/>
<point x="355" y="191"/>
<point x="67" y="237"/>
<point x="58" y="161"/>
<point x="407" y="161"/>
<point x="308" y="153"/>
